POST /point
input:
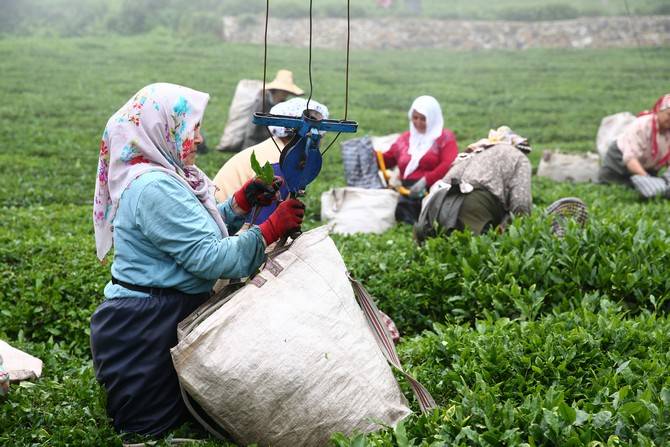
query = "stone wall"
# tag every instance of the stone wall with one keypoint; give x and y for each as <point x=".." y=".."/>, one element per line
<point x="595" y="32"/>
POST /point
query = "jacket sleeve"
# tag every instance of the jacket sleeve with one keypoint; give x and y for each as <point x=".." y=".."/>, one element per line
<point x="391" y="155"/>
<point x="519" y="195"/>
<point x="448" y="153"/>
<point x="173" y="219"/>
<point x="233" y="220"/>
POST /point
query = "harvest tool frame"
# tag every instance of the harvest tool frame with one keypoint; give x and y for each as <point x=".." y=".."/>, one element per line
<point x="301" y="160"/>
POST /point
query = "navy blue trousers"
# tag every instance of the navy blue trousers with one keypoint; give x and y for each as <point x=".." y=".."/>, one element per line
<point x="130" y="342"/>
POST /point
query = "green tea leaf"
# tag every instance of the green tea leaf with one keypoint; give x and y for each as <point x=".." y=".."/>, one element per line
<point x="255" y="165"/>
<point x="401" y="435"/>
<point x="265" y="173"/>
<point x="568" y="414"/>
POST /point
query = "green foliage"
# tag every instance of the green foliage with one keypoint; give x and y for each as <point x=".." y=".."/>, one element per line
<point x="571" y="379"/>
<point x="548" y="342"/>
<point x="524" y="272"/>
<point x="265" y="173"/>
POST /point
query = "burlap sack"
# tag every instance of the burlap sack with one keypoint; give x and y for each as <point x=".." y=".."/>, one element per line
<point x="289" y="359"/>
<point x="240" y="114"/>
<point x="359" y="210"/>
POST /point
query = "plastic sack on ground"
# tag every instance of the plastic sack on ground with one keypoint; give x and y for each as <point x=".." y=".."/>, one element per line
<point x="239" y="114"/>
<point x="290" y="358"/>
<point x="610" y="128"/>
<point x="20" y="365"/>
<point x="358" y="210"/>
<point x="569" y="167"/>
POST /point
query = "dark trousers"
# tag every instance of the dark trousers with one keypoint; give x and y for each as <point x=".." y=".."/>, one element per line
<point x="130" y="342"/>
<point x="408" y="209"/>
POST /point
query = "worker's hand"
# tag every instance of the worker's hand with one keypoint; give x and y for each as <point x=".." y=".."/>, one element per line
<point x="418" y="190"/>
<point x="284" y="220"/>
<point x="256" y="192"/>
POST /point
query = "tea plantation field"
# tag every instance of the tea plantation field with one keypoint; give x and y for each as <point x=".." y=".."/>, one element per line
<point x="522" y="338"/>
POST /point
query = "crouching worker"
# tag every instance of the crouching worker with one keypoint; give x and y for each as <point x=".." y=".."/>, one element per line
<point x="237" y="171"/>
<point x="642" y="149"/>
<point x="485" y="186"/>
<point x="171" y="243"/>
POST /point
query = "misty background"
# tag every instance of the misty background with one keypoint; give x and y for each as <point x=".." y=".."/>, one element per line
<point x="68" y="18"/>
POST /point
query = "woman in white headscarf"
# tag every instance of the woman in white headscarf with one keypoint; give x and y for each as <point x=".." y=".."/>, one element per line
<point x="423" y="155"/>
<point x="171" y="243"/>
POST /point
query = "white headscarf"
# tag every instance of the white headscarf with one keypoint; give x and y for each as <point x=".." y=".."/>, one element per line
<point x="294" y="107"/>
<point x="151" y="132"/>
<point x="420" y="143"/>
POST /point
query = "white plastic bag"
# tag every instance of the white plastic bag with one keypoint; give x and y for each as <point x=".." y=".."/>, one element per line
<point x="290" y="358"/>
<point x="610" y="128"/>
<point x="351" y="210"/>
<point x="239" y="114"/>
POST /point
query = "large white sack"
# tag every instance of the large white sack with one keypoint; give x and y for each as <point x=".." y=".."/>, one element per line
<point x="351" y="210"/>
<point x="569" y="167"/>
<point x="384" y="142"/>
<point x="289" y="359"/>
<point x="19" y="365"/>
<point x="240" y="114"/>
<point x="610" y="128"/>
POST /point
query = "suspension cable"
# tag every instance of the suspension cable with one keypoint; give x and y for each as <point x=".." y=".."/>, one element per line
<point x="265" y="67"/>
<point x="346" y="80"/>
<point x="309" y="64"/>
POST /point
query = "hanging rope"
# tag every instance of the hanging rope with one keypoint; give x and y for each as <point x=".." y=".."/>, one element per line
<point x="346" y="80"/>
<point x="309" y="66"/>
<point x="265" y="68"/>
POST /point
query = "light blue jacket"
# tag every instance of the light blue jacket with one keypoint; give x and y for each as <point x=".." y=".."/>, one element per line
<point x="164" y="237"/>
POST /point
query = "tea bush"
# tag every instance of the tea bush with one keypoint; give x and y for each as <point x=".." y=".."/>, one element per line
<point x="527" y="335"/>
<point x="574" y="379"/>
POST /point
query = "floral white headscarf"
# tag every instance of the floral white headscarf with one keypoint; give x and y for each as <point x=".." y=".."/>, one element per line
<point x="420" y="143"/>
<point x="502" y="134"/>
<point x="153" y="131"/>
<point x="294" y="107"/>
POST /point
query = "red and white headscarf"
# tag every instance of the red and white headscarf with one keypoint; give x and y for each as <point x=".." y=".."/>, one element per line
<point x="420" y="143"/>
<point x="153" y="131"/>
<point x="663" y="103"/>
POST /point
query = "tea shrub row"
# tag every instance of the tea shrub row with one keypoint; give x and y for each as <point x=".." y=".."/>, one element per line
<point x="578" y="378"/>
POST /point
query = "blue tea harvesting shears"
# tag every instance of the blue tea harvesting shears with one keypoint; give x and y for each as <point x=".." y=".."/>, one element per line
<point x="301" y="159"/>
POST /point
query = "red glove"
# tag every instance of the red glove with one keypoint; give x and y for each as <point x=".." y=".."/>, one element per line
<point x="285" y="219"/>
<point x="256" y="192"/>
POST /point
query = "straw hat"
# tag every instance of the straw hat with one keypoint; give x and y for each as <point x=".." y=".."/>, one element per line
<point x="284" y="81"/>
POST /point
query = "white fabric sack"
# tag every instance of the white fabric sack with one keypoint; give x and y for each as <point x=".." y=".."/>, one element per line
<point x="352" y="210"/>
<point x="385" y="142"/>
<point x="20" y="365"/>
<point x="289" y="358"/>
<point x="569" y="167"/>
<point x="610" y="128"/>
<point x="240" y="114"/>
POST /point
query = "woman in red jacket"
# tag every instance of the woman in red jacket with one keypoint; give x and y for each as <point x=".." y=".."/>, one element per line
<point x="423" y="154"/>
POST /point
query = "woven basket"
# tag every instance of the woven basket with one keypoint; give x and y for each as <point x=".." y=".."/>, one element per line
<point x="564" y="209"/>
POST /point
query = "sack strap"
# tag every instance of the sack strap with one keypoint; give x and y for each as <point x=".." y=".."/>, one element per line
<point x="213" y="431"/>
<point x="385" y="342"/>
